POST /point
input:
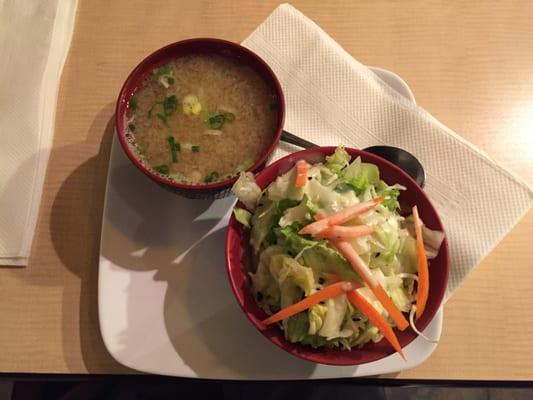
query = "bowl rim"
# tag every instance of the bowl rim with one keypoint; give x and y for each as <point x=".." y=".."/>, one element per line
<point x="310" y="354"/>
<point x="150" y="62"/>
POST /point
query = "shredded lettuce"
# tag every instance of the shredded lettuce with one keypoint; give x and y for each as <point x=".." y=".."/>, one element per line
<point x="338" y="160"/>
<point x="292" y="266"/>
<point x="283" y="187"/>
<point x="327" y="199"/>
<point x="262" y="223"/>
<point x="247" y="190"/>
<point x="302" y="213"/>
<point x="332" y="326"/>
<point x="243" y="216"/>
<point x="359" y="175"/>
<point x="322" y="258"/>
<point x="316" y="315"/>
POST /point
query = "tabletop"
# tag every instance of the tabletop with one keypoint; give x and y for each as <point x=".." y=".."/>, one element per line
<point x="468" y="63"/>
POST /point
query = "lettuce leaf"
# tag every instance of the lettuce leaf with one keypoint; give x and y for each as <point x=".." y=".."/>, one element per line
<point x="359" y="175"/>
<point x="243" y="216"/>
<point x="283" y="187"/>
<point x="264" y="286"/>
<point x="246" y="190"/>
<point x="289" y="238"/>
<point x="265" y="219"/>
<point x="262" y="223"/>
<point x="332" y="326"/>
<point x="316" y="315"/>
<point x="328" y="199"/>
<point x="297" y="329"/>
<point x="399" y="294"/>
<point x="338" y="160"/>
<point x="303" y="213"/>
<point x="322" y="258"/>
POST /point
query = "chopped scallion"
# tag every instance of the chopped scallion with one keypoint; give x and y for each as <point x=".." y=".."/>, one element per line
<point x="170" y="104"/>
<point x="245" y="165"/>
<point x="162" y="169"/>
<point x="172" y="144"/>
<point x="195" y="149"/>
<point x="229" y="117"/>
<point x="216" y="121"/>
<point x="213" y="176"/>
<point x="162" y="70"/>
<point x="133" y="103"/>
<point x="162" y="118"/>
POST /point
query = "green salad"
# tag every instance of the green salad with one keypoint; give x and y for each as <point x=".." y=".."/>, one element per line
<point x="317" y="226"/>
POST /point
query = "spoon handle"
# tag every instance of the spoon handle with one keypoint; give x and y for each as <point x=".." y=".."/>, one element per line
<point x="296" y="140"/>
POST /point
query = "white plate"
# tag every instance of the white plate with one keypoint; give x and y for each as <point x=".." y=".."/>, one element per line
<point x="164" y="302"/>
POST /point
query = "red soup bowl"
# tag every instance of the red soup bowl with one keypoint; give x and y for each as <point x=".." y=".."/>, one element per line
<point x="238" y="263"/>
<point x="183" y="48"/>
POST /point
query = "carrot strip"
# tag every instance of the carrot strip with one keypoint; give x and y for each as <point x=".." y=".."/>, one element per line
<point x="423" y="270"/>
<point x="340" y="217"/>
<point x="315" y="227"/>
<point x="348" y="213"/>
<point x="302" y="169"/>
<point x="367" y="309"/>
<point x="387" y="303"/>
<point x="364" y="272"/>
<point x="356" y="262"/>
<point x="339" y="232"/>
<point x="315" y="298"/>
<point x="331" y="278"/>
<point x="320" y="215"/>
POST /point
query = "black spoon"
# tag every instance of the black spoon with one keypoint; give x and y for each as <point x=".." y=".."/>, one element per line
<point x="399" y="157"/>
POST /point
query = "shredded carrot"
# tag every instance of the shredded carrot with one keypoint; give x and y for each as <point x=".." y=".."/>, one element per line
<point x="340" y="232"/>
<point x="364" y="272"/>
<point x="315" y="298"/>
<point x="387" y="303"/>
<point x="331" y="278"/>
<point x="320" y="215"/>
<point x="302" y="169"/>
<point x="356" y="262"/>
<point x="374" y="316"/>
<point x="423" y="270"/>
<point x="348" y="213"/>
<point x="315" y="227"/>
<point x="340" y="217"/>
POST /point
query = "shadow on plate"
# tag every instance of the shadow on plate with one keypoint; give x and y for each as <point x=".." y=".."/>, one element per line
<point x="180" y="243"/>
<point x="219" y="342"/>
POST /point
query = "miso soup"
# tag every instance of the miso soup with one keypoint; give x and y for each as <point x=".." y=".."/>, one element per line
<point x="202" y="118"/>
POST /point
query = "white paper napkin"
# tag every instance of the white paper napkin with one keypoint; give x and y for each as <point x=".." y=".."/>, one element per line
<point x="34" y="40"/>
<point x="332" y="99"/>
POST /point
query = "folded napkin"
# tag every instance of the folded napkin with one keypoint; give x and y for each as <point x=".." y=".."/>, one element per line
<point x="34" y="40"/>
<point x="332" y="99"/>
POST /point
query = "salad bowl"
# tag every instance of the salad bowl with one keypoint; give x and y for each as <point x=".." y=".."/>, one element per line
<point x="239" y="262"/>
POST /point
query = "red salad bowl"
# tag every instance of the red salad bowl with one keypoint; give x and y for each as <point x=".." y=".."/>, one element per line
<point x="238" y="263"/>
<point x="187" y="47"/>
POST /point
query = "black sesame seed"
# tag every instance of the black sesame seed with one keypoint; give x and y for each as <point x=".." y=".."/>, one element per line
<point x="259" y="296"/>
<point x="321" y="281"/>
<point x="309" y="178"/>
<point x="321" y="302"/>
<point x="377" y="254"/>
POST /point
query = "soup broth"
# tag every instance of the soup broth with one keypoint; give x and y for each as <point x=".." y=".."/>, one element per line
<point x="202" y="118"/>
